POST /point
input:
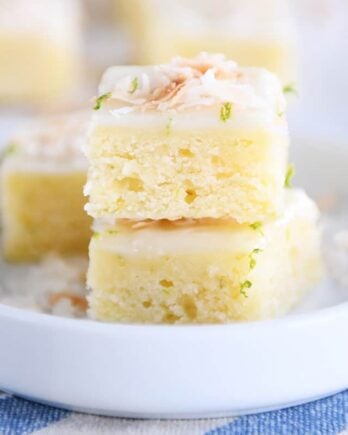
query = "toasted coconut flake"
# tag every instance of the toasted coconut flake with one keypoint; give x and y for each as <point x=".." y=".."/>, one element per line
<point x="184" y="83"/>
<point x="77" y="301"/>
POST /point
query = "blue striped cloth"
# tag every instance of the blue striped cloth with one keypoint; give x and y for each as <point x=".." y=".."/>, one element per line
<point x="322" y="417"/>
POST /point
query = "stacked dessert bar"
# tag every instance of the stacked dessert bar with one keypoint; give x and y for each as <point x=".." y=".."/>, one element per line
<point x="193" y="224"/>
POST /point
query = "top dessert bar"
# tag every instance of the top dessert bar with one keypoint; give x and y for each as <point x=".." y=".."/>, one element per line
<point x="194" y="138"/>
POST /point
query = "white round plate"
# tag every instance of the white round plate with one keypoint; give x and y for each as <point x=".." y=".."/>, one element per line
<point x="173" y="371"/>
<point x="187" y="371"/>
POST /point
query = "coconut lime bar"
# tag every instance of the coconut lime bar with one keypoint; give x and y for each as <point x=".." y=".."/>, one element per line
<point x="195" y="138"/>
<point x="40" y="51"/>
<point x="206" y="270"/>
<point x="42" y="178"/>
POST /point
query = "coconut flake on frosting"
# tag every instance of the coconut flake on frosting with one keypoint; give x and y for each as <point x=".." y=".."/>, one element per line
<point x="202" y="81"/>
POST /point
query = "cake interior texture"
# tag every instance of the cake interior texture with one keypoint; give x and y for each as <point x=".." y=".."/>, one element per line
<point x="219" y="172"/>
<point x="43" y="213"/>
<point x="204" y="271"/>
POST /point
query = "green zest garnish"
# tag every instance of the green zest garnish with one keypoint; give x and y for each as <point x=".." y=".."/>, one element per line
<point x="256" y="226"/>
<point x="168" y="127"/>
<point x="11" y="149"/>
<point x="108" y="232"/>
<point x="289" y="176"/>
<point x="252" y="259"/>
<point x="290" y="89"/>
<point x="111" y="232"/>
<point x="134" y="85"/>
<point x="101" y="99"/>
<point x="244" y="286"/>
<point x="225" y="112"/>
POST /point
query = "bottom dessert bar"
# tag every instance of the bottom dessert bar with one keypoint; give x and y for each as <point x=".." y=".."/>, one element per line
<point x="205" y="271"/>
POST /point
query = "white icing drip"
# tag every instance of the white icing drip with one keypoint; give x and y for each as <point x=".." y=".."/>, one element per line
<point x="184" y="239"/>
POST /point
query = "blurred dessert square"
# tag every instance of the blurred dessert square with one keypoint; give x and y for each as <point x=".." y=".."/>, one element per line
<point x="42" y="177"/>
<point x="258" y="33"/>
<point x="40" y="51"/>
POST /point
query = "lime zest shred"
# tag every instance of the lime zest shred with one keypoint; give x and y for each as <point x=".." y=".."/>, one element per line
<point x="252" y="263"/>
<point x="244" y="286"/>
<point x="134" y="85"/>
<point x="256" y="225"/>
<point x="112" y="232"/>
<point x="168" y="127"/>
<point x="290" y="172"/>
<point x="290" y="89"/>
<point x="226" y="112"/>
<point x="101" y="99"/>
<point x="252" y="259"/>
<point x="11" y="149"/>
<point x="108" y="233"/>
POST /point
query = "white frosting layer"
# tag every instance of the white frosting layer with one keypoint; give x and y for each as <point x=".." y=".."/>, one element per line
<point x="189" y="88"/>
<point x="185" y="236"/>
<point x="157" y="241"/>
<point x="51" y="144"/>
<point x="59" y="20"/>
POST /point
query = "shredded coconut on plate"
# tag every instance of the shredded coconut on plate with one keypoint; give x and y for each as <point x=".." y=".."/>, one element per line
<point x="55" y="285"/>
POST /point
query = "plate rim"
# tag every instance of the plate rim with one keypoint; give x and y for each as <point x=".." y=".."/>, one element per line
<point x="288" y="320"/>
